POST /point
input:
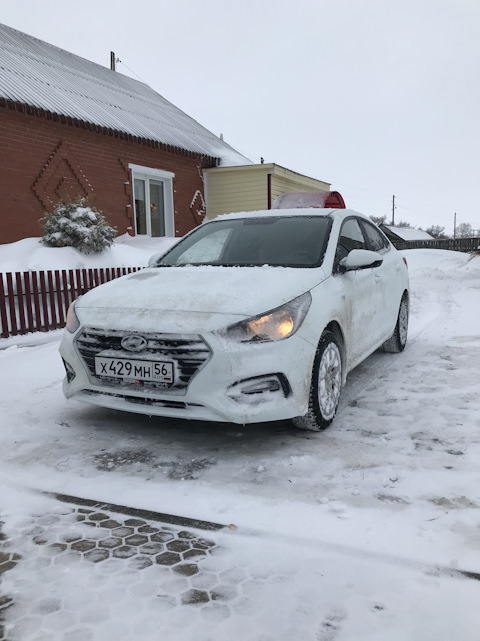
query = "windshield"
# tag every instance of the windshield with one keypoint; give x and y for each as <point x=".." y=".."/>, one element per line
<point x="295" y="241"/>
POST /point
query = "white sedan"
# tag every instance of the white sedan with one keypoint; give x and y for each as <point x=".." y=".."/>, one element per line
<point x="251" y="317"/>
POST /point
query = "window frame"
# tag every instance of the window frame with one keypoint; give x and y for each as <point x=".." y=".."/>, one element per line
<point x="387" y="245"/>
<point x="166" y="177"/>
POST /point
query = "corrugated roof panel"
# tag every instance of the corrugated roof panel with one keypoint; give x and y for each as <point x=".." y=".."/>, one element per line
<point x="36" y="73"/>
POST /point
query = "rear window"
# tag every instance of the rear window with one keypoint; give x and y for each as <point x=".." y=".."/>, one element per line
<point x="295" y="241"/>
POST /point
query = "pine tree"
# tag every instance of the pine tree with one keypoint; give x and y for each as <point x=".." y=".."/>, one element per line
<point x="73" y="224"/>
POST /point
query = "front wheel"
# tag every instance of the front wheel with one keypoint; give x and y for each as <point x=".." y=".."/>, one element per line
<point x="397" y="341"/>
<point x="325" y="387"/>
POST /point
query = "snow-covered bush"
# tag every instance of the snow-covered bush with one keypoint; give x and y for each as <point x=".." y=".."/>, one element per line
<point x="73" y="224"/>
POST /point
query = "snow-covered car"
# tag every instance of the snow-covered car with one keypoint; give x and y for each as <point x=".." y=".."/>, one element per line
<point x="251" y="317"/>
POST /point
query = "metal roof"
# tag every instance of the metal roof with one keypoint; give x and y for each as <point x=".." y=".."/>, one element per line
<point x="38" y="74"/>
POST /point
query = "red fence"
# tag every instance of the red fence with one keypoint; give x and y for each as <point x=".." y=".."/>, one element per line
<point x="38" y="301"/>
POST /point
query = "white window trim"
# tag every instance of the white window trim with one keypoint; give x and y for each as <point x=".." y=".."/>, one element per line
<point x="138" y="171"/>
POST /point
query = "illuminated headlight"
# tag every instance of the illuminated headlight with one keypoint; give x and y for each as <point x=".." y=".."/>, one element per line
<point x="275" y="325"/>
<point x="72" y="323"/>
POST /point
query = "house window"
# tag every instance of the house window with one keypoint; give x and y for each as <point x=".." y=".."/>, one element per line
<point x="153" y="201"/>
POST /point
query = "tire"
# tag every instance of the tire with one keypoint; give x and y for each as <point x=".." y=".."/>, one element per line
<point x="325" y="387"/>
<point x="397" y="341"/>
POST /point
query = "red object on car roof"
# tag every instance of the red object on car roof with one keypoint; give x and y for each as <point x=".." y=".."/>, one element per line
<point x="301" y="199"/>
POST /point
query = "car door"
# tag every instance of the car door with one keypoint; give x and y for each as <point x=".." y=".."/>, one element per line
<point x="387" y="277"/>
<point x="361" y="293"/>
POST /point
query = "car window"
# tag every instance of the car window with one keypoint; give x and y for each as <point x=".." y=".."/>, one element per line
<point x="351" y="237"/>
<point x="376" y="241"/>
<point x="283" y="241"/>
<point x="208" y="249"/>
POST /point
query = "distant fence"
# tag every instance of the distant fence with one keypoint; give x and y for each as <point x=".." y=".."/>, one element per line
<point x="455" y="244"/>
<point x="38" y="301"/>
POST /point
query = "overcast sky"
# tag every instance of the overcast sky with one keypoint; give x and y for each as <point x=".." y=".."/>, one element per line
<point x="376" y="97"/>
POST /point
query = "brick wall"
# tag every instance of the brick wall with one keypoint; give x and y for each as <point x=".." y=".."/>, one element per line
<point x="42" y="160"/>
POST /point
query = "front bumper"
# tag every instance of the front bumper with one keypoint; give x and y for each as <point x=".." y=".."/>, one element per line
<point x="239" y="383"/>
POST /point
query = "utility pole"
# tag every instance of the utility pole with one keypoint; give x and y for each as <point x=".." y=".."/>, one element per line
<point x="393" y="212"/>
<point x="454" y="225"/>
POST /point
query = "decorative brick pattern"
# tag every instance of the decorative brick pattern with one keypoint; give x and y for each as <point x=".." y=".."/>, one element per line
<point x="43" y="159"/>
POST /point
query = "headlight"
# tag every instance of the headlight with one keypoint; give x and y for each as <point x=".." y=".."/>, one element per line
<point x="72" y="323"/>
<point x="275" y="325"/>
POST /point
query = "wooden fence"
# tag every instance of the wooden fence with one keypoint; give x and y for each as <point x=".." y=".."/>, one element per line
<point x="453" y="244"/>
<point x="38" y="301"/>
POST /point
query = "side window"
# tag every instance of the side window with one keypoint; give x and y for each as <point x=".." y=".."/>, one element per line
<point x="376" y="241"/>
<point x="351" y="237"/>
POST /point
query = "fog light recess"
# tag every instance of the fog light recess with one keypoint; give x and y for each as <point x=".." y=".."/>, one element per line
<point x="260" y="388"/>
<point x="69" y="370"/>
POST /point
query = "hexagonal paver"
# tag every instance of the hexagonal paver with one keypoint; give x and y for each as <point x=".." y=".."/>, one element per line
<point x="204" y="581"/>
<point x="98" y="516"/>
<point x="71" y="538"/>
<point x="162" y="537"/>
<point x="139" y="562"/>
<point x="187" y="569"/>
<point x="124" y="552"/>
<point x="110" y="524"/>
<point x="151" y="548"/>
<point x="192" y="554"/>
<point x="135" y="522"/>
<point x="179" y="546"/>
<point x="167" y="558"/>
<point x="40" y="539"/>
<point x="110" y="542"/>
<point x="57" y="548"/>
<point x="123" y="531"/>
<point x="148" y="529"/>
<point x="97" y="555"/>
<point x="195" y="596"/>
<point x="186" y="535"/>
<point x="136" y="539"/>
<point x="83" y="546"/>
<point x="204" y="544"/>
<point x="224" y="593"/>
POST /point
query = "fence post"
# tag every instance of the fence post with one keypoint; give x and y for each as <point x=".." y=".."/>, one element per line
<point x="3" y="310"/>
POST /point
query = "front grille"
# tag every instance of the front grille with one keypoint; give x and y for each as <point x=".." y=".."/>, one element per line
<point x="187" y="353"/>
<point x="176" y="405"/>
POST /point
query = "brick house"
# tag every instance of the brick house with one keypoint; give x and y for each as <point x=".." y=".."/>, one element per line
<point x="70" y="127"/>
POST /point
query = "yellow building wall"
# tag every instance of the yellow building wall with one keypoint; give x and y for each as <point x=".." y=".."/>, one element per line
<point x="245" y="188"/>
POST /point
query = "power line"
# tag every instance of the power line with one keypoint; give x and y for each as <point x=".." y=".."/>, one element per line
<point x="131" y="71"/>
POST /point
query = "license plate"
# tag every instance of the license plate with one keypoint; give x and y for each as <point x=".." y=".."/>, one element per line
<point x="136" y="370"/>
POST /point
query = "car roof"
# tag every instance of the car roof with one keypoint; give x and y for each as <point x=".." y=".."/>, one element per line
<point x="286" y="213"/>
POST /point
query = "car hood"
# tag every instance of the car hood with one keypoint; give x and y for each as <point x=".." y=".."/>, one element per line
<point x="192" y="299"/>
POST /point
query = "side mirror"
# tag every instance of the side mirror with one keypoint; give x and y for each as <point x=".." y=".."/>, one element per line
<point x="360" y="259"/>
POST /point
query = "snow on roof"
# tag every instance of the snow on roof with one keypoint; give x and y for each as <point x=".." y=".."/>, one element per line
<point x="38" y="74"/>
<point x="408" y="233"/>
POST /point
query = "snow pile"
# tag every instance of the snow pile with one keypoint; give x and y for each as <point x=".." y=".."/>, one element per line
<point x="30" y="254"/>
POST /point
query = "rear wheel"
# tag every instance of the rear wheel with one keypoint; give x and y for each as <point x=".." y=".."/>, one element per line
<point x="397" y="341"/>
<point x="325" y="387"/>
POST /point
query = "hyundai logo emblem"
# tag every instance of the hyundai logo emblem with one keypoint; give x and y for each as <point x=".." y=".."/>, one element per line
<point x="134" y="343"/>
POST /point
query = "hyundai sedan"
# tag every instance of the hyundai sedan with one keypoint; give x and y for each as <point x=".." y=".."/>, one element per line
<point x="251" y="317"/>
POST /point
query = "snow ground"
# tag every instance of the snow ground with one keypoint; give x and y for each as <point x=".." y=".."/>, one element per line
<point x="346" y="534"/>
